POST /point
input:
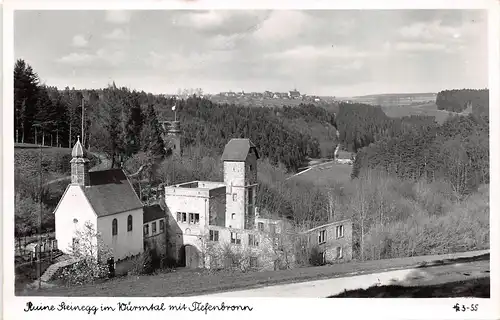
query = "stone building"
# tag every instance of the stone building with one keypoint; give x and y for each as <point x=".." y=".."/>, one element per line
<point x="171" y="137"/>
<point x="194" y="206"/>
<point x="155" y="229"/>
<point x="206" y="219"/>
<point x="329" y="243"/>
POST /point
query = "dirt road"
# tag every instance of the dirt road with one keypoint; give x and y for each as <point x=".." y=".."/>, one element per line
<point x="408" y="277"/>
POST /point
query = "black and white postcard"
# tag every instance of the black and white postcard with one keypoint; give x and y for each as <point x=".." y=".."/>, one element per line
<point x="175" y="158"/>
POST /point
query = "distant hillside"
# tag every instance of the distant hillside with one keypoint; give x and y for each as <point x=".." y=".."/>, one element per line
<point x="394" y="99"/>
<point x="401" y="95"/>
<point x="425" y="109"/>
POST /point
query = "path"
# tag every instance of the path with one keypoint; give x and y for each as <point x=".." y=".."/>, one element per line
<point x="408" y="277"/>
<point x="199" y="282"/>
<point x="104" y="164"/>
<point x="311" y="167"/>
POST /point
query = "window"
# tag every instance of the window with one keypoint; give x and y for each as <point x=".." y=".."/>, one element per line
<point x="233" y="216"/>
<point x="252" y="240"/>
<point x="146" y="229"/>
<point x="235" y="238"/>
<point x="322" y="237"/>
<point x="261" y="226"/>
<point x="194" y="218"/>
<point x="339" y="231"/>
<point x="75" y="244"/>
<point x="114" y="227"/>
<point x="234" y="196"/>
<point x="214" y="235"/>
<point x="272" y="228"/>
<point x="250" y="167"/>
<point x="181" y="217"/>
<point x="250" y="195"/>
<point x="162" y="225"/>
<point x="253" y="262"/>
<point x="129" y="223"/>
<point x="339" y="253"/>
<point x="153" y="228"/>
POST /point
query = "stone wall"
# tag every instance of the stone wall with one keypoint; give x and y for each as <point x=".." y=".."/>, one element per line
<point x="329" y="248"/>
<point x="217" y="207"/>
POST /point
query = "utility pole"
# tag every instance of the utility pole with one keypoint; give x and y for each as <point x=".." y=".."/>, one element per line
<point x="40" y="226"/>
<point x="83" y="117"/>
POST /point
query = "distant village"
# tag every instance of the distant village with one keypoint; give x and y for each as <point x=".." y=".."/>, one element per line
<point x="292" y="95"/>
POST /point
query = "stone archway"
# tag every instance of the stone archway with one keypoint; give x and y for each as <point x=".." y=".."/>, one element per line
<point x="190" y="256"/>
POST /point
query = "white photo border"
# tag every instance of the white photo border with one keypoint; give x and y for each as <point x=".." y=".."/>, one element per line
<point x="263" y="307"/>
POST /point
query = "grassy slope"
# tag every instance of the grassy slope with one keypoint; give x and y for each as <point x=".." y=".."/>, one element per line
<point x="324" y="132"/>
<point x="477" y="288"/>
<point x="326" y="174"/>
<point x="190" y="282"/>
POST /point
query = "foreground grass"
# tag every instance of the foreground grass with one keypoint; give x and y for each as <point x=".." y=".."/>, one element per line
<point x="477" y="288"/>
<point x="198" y="282"/>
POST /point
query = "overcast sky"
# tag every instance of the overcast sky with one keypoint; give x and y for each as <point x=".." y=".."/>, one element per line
<point x="338" y="52"/>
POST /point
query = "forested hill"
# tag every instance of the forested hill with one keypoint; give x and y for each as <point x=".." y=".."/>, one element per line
<point x="457" y="100"/>
<point x="212" y="125"/>
<point x="360" y="125"/>
<point x="456" y="151"/>
<point x="120" y="122"/>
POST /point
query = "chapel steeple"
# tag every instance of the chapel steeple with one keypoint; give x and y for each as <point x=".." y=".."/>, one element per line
<point x="79" y="165"/>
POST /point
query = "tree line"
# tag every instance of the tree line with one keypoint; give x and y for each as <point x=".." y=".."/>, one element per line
<point x="360" y="124"/>
<point x="458" y="100"/>
<point x="120" y="122"/>
<point x="457" y="151"/>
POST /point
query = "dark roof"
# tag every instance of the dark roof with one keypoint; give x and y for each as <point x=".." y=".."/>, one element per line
<point x="238" y="149"/>
<point x="110" y="192"/>
<point x="152" y="213"/>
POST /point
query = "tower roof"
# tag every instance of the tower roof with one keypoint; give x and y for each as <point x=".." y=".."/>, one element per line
<point x="78" y="150"/>
<point x="238" y="149"/>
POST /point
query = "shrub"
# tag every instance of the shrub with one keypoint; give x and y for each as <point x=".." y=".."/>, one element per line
<point x="84" y="271"/>
<point x="142" y="263"/>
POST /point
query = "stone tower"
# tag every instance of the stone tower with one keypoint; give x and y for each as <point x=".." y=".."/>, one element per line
<point x="79" y="165"/>
<point x="240" y="177"/>
<point x="172" y="137"/>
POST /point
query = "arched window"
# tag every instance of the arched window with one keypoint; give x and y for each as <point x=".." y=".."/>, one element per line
<point x="129" y="223"/>
<point x="115" y="227"/>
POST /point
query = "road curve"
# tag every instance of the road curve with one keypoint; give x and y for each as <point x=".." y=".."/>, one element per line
<point x="406" y="277"/>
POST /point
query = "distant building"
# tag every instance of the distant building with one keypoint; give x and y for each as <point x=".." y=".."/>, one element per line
<point x="294" y="94"/>
<point x="280" y="95"/>
<point x="171" y="136"/>
<point x="268" y="94"/>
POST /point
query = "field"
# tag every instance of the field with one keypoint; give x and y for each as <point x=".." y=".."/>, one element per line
<point x="326" y="174"/>
<point x="427" y="109"/>
<point x="186" y="282"/>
